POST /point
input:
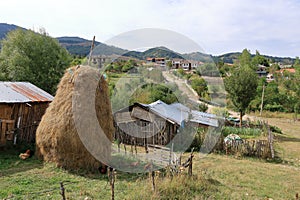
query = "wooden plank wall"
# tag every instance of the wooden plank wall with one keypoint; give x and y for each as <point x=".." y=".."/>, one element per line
<point x="160" y="132"/>
<point x="25" y="119"/>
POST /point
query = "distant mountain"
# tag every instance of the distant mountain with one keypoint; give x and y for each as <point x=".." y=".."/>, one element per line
<point x="80" y="46"/>
<point x="231" y="57"/>
<point x="198" y="56"/>
<point x="228" y="57"/>
<point x="75" y="45"/>
<point x="154" y="52"/>
<point x="5" y="28"/>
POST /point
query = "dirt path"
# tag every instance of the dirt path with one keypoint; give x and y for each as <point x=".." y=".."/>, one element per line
<point x="192" y="95"/>
<point x="185" y="88"/>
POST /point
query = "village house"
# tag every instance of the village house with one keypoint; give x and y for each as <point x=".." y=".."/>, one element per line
<point x="157" y="123"/>
<point x="22" y="106"/>
<point x="161" y="62"/>
<point x="186" y="65"/>
<point x="261" y="71"/>
<point x="270" y="77"/>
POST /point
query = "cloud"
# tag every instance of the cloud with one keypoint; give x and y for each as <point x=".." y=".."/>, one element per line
<point x="218" y="26"/>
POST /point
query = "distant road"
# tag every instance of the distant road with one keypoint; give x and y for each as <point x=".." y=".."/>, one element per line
<point x="185" y="88"/>
<point x="192" y="94"/>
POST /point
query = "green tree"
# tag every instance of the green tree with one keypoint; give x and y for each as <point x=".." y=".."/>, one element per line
<point x="297" y="62"/>
<point x="199" y="85"/>
<point x="33" y="57"/>
<point x="259" y="60"/>
<point x="245" y="58"/>
<point x="241" y="87"/>
<point x="169" y="64"/>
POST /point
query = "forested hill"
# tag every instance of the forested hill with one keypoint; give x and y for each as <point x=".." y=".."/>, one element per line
<point x="75" y="45"/>
<point x="80" y="46"/>
<point x="5" y="28"/>
<point x="231" y="57"/>
<point x="154" y="52"/>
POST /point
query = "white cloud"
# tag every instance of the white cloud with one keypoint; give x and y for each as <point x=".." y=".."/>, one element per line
<point x="217" y="25"/>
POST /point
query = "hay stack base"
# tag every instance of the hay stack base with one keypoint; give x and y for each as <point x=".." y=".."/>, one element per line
<point x="57" y="139"/>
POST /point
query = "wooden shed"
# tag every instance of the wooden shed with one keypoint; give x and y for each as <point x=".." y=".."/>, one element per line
<point x="156" y="123"/>
<point x="22" y="106"/>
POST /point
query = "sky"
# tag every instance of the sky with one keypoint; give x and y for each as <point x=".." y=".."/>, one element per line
<point x="217" y="26"/>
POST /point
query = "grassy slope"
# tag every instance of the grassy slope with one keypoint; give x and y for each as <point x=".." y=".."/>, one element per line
<point x="216" y="177"/>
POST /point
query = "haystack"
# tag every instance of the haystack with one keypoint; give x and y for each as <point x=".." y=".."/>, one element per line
<point x="59" y="137"/>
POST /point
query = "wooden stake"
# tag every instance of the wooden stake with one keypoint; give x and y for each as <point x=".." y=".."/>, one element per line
<point x="270" y="140"/>
<point x="62" y="191"/>
<point x="111" y="177"/>
<point x="190" y="172"/>
<point x="262" y="100"/>
<point x="135" y="146"/>
<point x="153" y="180"/>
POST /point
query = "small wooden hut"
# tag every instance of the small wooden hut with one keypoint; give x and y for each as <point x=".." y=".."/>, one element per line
<point x="156" y="123"/>
<point x="22" y="106"/>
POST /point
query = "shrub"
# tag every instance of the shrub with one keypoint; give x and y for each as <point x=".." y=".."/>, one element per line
<point x="242" y="132"/>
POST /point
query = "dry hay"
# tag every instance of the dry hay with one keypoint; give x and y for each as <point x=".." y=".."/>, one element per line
<point x="57" y="139"/>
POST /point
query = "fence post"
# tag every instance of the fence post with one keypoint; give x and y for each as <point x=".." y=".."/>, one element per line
<point x="153" y="180"/>
<point x="62" y="191"/>
<point x="270" y="140"/>
<point x="135" y="147"/>
<point x="190" y="171"/>
<point x="111" y="177"/>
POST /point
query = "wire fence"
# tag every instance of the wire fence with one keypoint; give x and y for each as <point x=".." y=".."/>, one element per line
<point x="115" y="181"/>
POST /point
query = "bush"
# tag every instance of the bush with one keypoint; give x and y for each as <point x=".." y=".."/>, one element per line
<point x="203" y="107"/>
<point x="275" y="129"/>
<point x="274" y="108"/>
<point x="242" y="132"/>
<point x="220" y="112"/>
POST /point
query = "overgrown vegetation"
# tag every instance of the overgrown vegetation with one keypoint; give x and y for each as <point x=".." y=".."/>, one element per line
<point x="244" y="133"/>
<point x="34" y="57"/>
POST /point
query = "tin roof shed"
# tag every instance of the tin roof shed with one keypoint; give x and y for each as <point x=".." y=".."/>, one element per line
<point x="22" y="92"/>
<point x="177" y="113"/>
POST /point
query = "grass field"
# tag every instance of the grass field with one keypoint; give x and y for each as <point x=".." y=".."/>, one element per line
<point x="215" y="176"/>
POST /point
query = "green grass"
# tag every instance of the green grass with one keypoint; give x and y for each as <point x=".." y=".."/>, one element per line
<point x="214" y="176"/>
<point x="269" y="114"/>
<point x="42" y="181"/>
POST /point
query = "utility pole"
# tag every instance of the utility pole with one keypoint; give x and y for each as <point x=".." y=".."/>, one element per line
<point x="262" y="99"/>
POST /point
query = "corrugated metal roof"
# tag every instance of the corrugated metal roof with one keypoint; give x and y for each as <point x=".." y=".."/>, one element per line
<point x="22" y="92"/>
<point x="204" y="118"/>
<point x="177" y="113"/>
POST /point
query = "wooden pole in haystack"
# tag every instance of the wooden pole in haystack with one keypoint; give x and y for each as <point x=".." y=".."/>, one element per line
<point x="91" y="51"/>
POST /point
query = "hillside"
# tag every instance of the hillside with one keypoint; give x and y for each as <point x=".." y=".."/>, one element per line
<point x="231" y="57"/>
<point x="154" y="52"/>
<point x="5" y="28"/>
<point x="75" y="45"/>
<point x="81" y="46"/>
<point x="198" y="56"/>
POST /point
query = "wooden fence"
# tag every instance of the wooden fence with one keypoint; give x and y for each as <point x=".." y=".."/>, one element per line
<point x="252" y="147"/>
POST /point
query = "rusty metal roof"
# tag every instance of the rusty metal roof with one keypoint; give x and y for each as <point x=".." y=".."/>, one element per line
<point x="178" y="113"/>
<point x="22" y="92"/>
